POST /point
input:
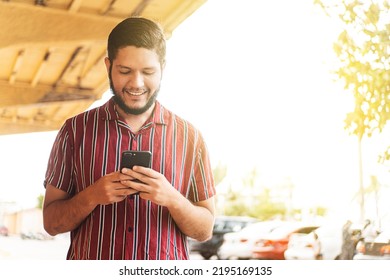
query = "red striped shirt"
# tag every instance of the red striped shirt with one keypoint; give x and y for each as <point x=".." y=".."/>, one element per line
<point x="89" y="145"/>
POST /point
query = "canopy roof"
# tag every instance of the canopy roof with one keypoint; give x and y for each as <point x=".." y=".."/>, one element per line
<point x="51" y="55"/>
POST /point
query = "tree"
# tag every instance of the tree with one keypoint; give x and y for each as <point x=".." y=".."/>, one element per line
<point x="265" y="208"/>
<point x="253" y="199"/>
<point x="363" y="49"/>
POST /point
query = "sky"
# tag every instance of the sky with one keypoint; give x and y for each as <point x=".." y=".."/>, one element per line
<point x="254" y="77"/>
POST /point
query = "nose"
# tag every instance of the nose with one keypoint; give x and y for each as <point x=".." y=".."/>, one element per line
<point x="136" y="80"/>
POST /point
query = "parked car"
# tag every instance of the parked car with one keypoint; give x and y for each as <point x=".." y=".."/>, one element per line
<point x="223" y="225"/>
<point x="324" y="243"/>
<point x="273" y="246"/>
<point x="3" y="230"/>
<point x="374" y="249"/>
<point x="302" y="246"/>
<point x="330" y="241"/>
<point x="239" y="245"/>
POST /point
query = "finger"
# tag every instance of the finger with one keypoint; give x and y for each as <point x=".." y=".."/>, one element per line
<point x="120" y="185"/>
<point x="148" y="172"/>
<point x="145" y="196"/>
<point x="131" y="192"/>
<point x="120" y="198"/>
<point x="139" y="186"/>
<point x="135" y="175"/>
<point x="125" y="193"/>
<point x="124" y="176"/>
<point x="128" y="172"/>
<point x="125" y="190"/>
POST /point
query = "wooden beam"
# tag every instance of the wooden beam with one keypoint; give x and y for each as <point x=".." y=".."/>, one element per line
<point x="42" y="25"/>
<point x="39" y="116"/>
<point x="41" y="68"/>
<point x="75" y="6"/>
<point x="140" y="8"/>
<point x="180" y="13"/>
<point x="107" y="7"/>
<point x="23" y="93"/>
<point x="95" y="64"/>
<point x="68" y="65"/>
<point x="16" y="67"/>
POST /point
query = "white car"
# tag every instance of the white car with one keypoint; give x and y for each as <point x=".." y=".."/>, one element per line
<point x="324" y="243"/>
<point x="302" y="246"/>
<point x="330" y="240"/>
<point x="239" y="245"/>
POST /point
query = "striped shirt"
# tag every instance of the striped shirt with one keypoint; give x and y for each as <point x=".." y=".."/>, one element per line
<point x="89" y="145"/>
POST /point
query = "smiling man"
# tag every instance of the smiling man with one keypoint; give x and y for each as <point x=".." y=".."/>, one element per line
<point x="139" y="213"/>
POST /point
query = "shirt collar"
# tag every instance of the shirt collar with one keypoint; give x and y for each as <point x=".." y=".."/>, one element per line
<point x="108" y="112"/>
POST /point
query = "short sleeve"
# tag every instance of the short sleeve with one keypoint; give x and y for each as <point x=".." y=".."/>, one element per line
<point x="202" y="181"/>
<point x="60" y="165"/>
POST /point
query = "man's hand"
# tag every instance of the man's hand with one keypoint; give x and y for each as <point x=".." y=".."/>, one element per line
<point x="152" y="185"/>
<point x="109" y="188"/>
<point x="195" y="219"/>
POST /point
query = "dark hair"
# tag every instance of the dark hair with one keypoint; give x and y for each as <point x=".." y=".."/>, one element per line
<point x="139" y="32"/>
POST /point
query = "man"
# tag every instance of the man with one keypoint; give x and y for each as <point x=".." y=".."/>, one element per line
<point x="109" y="215"/>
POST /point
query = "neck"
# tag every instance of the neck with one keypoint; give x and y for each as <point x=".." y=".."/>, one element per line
<point x="135" y="121"/>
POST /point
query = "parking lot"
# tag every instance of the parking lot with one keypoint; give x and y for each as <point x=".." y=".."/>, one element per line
<point x="16" y="248"/>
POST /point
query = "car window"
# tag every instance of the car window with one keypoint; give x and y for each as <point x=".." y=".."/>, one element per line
<point x="232" y="225"/>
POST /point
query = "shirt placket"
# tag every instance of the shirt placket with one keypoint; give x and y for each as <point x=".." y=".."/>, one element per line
<point x="132" y="233"/>
<point x="130" y="242"/>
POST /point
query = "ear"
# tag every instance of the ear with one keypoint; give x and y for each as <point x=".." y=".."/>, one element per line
<point x="108" y="64"/>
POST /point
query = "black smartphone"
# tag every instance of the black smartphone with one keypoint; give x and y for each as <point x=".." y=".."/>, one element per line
<point x="140" y="158"/>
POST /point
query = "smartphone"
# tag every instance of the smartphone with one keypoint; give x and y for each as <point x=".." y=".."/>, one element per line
<point x="131" y="158"/>
<point x="140" y="158"/>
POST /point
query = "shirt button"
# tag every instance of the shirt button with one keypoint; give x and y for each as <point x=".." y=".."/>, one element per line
<point x="130" y="229"/>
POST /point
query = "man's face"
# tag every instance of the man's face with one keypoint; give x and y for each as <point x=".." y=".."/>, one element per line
<point x="135" y="76"/>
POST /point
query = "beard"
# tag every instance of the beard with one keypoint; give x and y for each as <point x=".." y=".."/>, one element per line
<point x="128" y="110"/>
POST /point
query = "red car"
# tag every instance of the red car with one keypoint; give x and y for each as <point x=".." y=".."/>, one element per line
<point x="272" y="246"/>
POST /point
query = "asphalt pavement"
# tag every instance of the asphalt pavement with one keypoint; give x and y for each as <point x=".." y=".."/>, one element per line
<point x="16" y="248"/>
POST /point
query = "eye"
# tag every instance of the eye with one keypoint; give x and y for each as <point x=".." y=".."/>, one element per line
<point x="148" y="73"/>
<point x="124" y="72"/>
